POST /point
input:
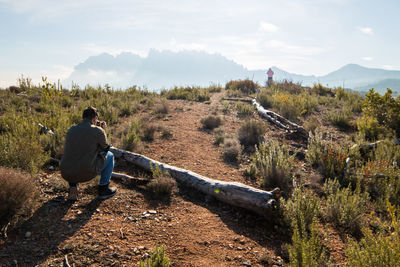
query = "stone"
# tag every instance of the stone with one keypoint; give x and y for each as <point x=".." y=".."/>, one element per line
<point x="28" y="234"/>
<point x="152" y="212"/>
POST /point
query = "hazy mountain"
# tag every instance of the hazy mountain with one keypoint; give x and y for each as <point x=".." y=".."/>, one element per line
<point x="165" y="69"/>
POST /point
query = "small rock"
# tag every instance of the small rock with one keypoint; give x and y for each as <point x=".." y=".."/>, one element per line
<point x="111" y="247"/>
<point x="141" y="248"/>
<point x="227" y="258"/>
<point x="157" y="220"/>
<point x="15" y="262"/>
<point x="51" y="168"/>
<point x="28" y="234"/>
<point x="132" y="219"/>
<point x="230" y="246"/>
<point x="239" y="248"/>
<point x="145" y="256"/>
<point x="152" y="212"/>
<point x="245" y="263"/>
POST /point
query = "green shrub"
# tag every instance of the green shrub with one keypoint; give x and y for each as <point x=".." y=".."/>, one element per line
<point x="158" y="258"/>
<point x="219" y="135"/>
<point x="340" y="119"/>
<point x="272" y="163"/>
<point x="244" y="86"/>
<point x="131" y="137"/>
<point x="161" y="185"/>
<point x="226" y="107"/>
<point x="127" y="109"/>
<point x="307" y="250"/>
<point x="231" y="150"/>
<point x="215" y="88"/>
<point x="187" y="93"/>
<point x="211" y="122"/>
<point x="251" y="133"/>
<point x="16" y="194"/>
<point x="265" y="99"/>
<point x="244" y="109"/>
<point x="315" y="148"/>
<point x="344" y="207"/>
<point x="385" y="109"/>
<point x="377" y="249"/>
<point x="301" y="210"/>
<point x="319" y="89"/>
<point x="369" y="128"/>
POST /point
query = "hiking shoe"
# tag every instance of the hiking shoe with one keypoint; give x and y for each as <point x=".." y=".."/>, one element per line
<point x="73" y="193"/>
<point x="106" y="192"/>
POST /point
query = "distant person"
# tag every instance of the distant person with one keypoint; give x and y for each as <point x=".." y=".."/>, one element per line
<point x="270" y="74"/>
<point x="86" y="155"/>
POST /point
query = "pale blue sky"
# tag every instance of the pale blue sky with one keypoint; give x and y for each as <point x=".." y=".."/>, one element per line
<point x="49" y="37"/>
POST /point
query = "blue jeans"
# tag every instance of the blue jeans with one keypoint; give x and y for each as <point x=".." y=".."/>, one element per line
<point x="106" y="171"/>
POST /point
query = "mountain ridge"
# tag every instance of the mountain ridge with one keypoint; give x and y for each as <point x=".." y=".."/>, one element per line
<point x="166" y="69"/>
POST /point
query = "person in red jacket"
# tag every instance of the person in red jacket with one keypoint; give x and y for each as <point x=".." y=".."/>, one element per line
<point x="270" y="74"/>
<point x="86" y="155"/>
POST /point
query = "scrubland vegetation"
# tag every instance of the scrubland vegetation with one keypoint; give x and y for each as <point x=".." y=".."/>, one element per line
<point x="357" y="193"/>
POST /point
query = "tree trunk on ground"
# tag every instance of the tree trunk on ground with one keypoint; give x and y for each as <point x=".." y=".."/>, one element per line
<point x="280" y="121"/>
<point x="233" y="193"/>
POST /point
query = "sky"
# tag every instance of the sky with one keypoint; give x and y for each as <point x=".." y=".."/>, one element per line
<point x="48" y="37"/>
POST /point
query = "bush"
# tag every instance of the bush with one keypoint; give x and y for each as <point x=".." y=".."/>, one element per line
<point x="244" y="109"/>
<point x="379" y="249"/>
<point x="162" y="108"/>
<point x="161" y="186"/>
<point x="315" y="148"/>
<point x="385" y="109"/>
<point x="211" y="122"/>
<point x="187" y="93"/>
<point x="231" y="150"/>
<point x="369" y="128"/>
<point x="131" y="137"/>
<point x="148" y="132"/>
<point x="301" y="210"/>
<point x="245" y="86"/>
<point x="219" y="135"/>
<point x="166" y="133"/>
<point x="344" y="207"/>
<point x="16" y="193"/>
<point x="157" y="258"/>
<point x="272" y="164"/>
<point x="340" y="119"/>
<point x="251" y="133"/>
<point x="265" y="99"/>
<point x="321" y="90"/>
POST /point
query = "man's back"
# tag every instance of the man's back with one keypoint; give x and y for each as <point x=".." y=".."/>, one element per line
<point x="82" y="160"/>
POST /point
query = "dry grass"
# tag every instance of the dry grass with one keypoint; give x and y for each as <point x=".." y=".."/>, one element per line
<point x="16" y="194"/>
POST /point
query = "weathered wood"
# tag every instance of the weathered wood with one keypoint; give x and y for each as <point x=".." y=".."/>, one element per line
<point x="279" y="121"/>
<point x="233" y="193"/>
<point x="237" y="99"/>
<point x="138" y="181"/>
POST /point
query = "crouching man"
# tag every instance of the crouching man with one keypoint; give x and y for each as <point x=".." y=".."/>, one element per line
<point x="86" y="155"/>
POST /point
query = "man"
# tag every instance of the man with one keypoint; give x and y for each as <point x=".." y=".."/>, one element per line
<point x="86" y="155"/>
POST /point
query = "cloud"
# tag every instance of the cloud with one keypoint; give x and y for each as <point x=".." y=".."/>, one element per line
<point x="293" y="49"/>
<point x="267" y="27"/>
<point x="366" y="30"/>
<point x="367" y="58"/>
<point x="98" y="49"/>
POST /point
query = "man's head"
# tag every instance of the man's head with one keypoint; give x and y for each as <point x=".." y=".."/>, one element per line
<point x="90" y="113"/>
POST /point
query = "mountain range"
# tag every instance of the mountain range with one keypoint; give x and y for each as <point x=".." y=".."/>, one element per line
<point x="165" y="69"/>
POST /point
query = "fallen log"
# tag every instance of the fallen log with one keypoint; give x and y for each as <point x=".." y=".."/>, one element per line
<point x="279" y="121"/>
<point x="233" y="193"/>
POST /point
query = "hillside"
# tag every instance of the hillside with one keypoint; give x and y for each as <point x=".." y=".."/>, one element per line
<point x="198" y="230"/>
<point x="166" y="69"/>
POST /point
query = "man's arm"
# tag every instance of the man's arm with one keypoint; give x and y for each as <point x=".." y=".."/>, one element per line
<point x="102" y="140"/>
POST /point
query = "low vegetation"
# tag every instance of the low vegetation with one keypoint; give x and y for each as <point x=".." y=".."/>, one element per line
<point x="356" y="189"/>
